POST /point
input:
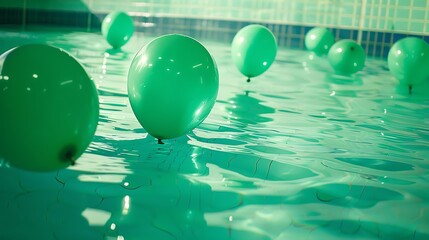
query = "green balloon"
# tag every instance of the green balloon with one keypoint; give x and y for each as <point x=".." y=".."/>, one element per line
<point x="48" y="107"/>
<point x="172" y="85"/>
<point x="408" y="60"/>
<point x="319" y="40"/>
<point x="117" y="28"/>
<point x="346" y="57"/>
<point x="254" y="49"/>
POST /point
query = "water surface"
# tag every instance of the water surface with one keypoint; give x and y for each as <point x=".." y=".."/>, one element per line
<point x="297" y="153"/>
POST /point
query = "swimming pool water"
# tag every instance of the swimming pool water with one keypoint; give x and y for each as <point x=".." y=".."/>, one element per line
<point x="297" y="153"/>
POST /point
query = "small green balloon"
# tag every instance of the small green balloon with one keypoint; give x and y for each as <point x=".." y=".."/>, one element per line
<point x="117" y="28"/>
<point x="346" y="57"/>
<point x="408" y="60"/>
<point x="48" y="107"/>
<point x="254" y="49"/>
<point x="172" y="85"/>
<point x="319" y="40"/>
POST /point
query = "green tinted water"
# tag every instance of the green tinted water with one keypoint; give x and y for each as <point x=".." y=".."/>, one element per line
<point x="297" y="153"/>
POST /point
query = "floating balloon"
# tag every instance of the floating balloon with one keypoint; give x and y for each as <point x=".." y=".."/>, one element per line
<point x="172" y="85"/>
<point x="408" y="61"/>
<point x="49" y="108"/>
<point x="254" y="49"/>
<point x="117" y="28"/>
<point x="319" y="40"/>
<point x="346" y="57"/>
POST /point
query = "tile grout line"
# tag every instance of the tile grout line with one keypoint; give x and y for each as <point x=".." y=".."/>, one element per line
<point x="410" y="12"/>
<point x="361" y="21"/>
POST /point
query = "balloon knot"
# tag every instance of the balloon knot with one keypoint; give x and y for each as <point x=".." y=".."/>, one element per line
<point x="410" y="89"/>
<point x="248" y="80"/>
<point x="160" y="141"/>
<point x="68" y="154"/>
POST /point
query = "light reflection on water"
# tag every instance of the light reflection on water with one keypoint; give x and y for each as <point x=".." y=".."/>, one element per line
<point x="298" y="153"/>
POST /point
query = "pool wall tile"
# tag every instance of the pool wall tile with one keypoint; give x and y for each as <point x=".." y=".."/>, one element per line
<point x="12" y="4"/>
<point x="370" y="15"/>
<point x="63" y="18"/>
<point x="376" y="24"/>
<point x="11" y="16"/>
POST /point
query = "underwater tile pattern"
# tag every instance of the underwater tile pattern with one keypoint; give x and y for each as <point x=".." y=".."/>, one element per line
<point x="297" y="153"/>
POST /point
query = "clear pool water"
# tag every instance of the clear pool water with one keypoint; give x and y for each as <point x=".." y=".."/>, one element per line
<point x="297" y="153"/>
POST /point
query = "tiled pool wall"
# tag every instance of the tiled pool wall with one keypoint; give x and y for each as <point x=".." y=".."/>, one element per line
<point x="376" y="24"/>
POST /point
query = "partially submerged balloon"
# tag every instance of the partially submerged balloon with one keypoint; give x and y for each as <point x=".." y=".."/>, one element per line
<point x="254" y="49"/>
<point x="48" y="107"/>
<point x="117" y="28"/>
<point x="408" y="60"/>
<point x="346" y="57"/>
<point x="319" y="40"/>
<point x="172" y="85"/>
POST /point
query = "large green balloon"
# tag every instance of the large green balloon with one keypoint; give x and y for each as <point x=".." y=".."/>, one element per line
<point x="172" y="85"/>
<point x="254" y="49"/>
<point x="346" y="57"/>
<point x="48" y="108"/>
<point x="408" y="60"/>
<point x="319" y="40"/>
<point x="117" y="28"/>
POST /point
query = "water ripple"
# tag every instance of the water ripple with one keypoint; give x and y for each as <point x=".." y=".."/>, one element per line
<point x="299" y="152"/>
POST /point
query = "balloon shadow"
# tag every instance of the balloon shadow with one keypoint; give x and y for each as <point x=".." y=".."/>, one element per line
<point x="114" y="51"/>
<point x="244" y="109"/>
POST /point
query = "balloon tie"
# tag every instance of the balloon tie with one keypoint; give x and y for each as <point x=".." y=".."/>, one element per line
<point x="68" y="155"/>
<point x="160" y="141"/>
<point x="72" y="161"/>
